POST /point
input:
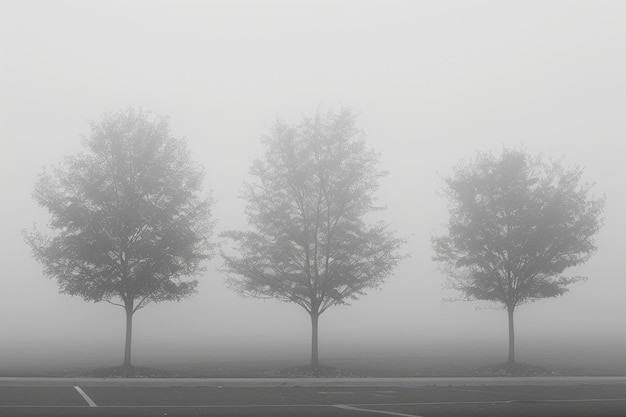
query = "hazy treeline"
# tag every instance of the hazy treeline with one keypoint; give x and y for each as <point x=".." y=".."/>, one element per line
<point x="131" y="222"/>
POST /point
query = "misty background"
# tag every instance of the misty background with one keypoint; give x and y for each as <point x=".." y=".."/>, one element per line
<point x="432" y="82"/>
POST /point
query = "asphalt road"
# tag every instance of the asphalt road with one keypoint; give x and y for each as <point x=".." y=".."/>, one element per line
<point x="425" y="397"/>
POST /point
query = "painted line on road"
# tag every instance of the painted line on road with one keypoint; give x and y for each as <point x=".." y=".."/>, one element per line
<point x="508" y="392"/>
<point x="85" y="396"/>
<point x="389" y="413"/>
<point x="483" y="402"/>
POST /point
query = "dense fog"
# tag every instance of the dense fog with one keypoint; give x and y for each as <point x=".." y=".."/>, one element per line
<point x="432" y="83"/>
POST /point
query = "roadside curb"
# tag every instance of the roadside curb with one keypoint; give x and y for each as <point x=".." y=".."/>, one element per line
<point x="309" y="382"/>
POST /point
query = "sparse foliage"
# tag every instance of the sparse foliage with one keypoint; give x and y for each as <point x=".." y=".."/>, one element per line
<point x="310" y="243"/>
<point x="516" y="224"/>
<point x="129" y="219"/>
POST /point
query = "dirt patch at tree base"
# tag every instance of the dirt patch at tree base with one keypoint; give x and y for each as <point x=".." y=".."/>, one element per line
<point x="513" y="369"/>
<point x="321" y="371"/>
<point x="124" y="372"/>
<point x="309" y="371"/>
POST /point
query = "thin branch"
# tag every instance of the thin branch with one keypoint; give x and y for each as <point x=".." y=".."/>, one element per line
<point x="115" y="304"/>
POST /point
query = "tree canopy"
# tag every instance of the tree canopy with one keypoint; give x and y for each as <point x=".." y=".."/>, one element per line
<point x="128" y="216"/>
<point x="311" y="244"/>
<point x="516" y="223"/>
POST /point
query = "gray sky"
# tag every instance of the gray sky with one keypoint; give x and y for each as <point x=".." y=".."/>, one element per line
<point x="433" y="82"/>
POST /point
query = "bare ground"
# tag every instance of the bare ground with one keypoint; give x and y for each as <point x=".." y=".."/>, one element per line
<point x="234" y="370"/>
<point x="428" y="365"/>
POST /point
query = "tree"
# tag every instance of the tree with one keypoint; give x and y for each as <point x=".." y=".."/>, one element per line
<point x="516" y="224"/>
<point x="129" y="218"/>
<point x="311" y="244"/>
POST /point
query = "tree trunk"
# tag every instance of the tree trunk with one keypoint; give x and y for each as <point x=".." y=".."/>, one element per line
<point x="129" y="335"/>
<point x="511" y="336"/>
<point x="315" y="360"/>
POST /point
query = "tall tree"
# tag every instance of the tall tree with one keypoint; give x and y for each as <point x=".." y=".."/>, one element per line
<point x="516" y="224"/>
<point x="129" y="217"/>
<point x="311" y="244"/>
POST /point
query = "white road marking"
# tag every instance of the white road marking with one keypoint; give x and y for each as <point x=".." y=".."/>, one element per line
<point x="85" y="396"/>
<point x="389" y="413"/>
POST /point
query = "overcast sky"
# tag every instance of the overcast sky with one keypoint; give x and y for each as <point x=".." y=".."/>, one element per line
<point x="432" y="81"/>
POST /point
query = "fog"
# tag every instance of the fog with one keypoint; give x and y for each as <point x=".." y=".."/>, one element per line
<point x="432" y="82"/>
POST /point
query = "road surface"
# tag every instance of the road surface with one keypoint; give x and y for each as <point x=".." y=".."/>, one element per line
<point x="337" y="397"/>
